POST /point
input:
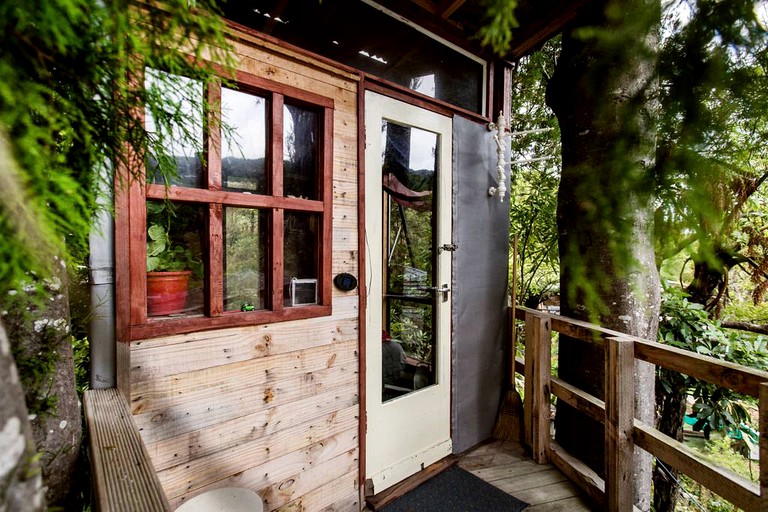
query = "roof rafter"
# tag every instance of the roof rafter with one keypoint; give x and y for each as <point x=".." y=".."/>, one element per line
<point x="448" y="7"/>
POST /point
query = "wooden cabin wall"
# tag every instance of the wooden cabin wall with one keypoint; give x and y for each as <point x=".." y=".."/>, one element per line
<point x="274" y="408"/>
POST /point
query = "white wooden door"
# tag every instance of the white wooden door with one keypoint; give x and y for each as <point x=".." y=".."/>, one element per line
<point x="408" y="220"/>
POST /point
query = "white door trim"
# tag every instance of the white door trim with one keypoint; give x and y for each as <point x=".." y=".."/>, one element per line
<point x="410" y="432"/>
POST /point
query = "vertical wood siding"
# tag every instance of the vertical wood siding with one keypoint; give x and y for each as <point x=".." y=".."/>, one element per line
<point x="274" y="408"/>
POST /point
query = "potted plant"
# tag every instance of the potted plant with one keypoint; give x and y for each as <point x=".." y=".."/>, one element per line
<point x="169" y="268"/>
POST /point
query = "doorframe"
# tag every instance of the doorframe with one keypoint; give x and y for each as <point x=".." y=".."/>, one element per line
<point x="372" y="84"/>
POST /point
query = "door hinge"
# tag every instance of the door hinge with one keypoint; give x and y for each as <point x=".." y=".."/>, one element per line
<point x="447" y="247"/>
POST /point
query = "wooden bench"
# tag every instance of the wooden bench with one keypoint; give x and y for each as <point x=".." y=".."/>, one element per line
<point x="123" y="476"/>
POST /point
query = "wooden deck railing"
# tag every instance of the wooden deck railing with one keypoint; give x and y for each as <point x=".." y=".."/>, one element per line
<point x="124" y="479"/>
<point x="622" y="431"/>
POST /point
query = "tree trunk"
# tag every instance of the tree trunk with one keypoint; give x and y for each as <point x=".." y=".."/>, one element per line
<point x="38" y="329"/>
<point x="21" y="487"/>
<point x="601" y="94"/>
<point x="671" y="413"/>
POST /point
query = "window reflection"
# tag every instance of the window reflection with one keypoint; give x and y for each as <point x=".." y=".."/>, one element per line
<point x="424" y="84"/>
<point x="409" y="171"/>
<point x="175" y="238"/>
<point x="300" y="134"/>
<point x="177" y="128"/>
<point x="243" y="141"/>
<point x="376" y="43"/>
<point x="245" y="259"/>
<point x="300" y="255"/>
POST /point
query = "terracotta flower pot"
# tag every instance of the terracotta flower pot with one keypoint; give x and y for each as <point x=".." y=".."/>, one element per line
<point x="167" y="292"/>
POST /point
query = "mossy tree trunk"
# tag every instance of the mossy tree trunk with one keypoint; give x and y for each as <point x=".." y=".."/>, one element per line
<point x="37" y="322"/>
<point x="601" y="93"/>
<point x="21" y="485"/>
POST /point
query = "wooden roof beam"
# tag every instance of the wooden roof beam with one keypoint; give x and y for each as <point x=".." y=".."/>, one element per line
<point x="419" y="13"/>
<point x="531" y="35"/>
<point x="448" y="7"/>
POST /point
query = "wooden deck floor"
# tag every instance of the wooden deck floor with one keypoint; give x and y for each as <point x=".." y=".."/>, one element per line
<point x="506" y="466"/>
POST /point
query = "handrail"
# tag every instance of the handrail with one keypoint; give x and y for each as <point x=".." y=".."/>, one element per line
<point x="623" y="431"/>
<point x="124" y="479"/>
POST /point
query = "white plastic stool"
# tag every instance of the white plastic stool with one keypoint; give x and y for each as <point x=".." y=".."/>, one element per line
<point x="226" y="499"/>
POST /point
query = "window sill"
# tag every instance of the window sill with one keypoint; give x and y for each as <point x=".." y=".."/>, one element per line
<point x="156" y="327"/>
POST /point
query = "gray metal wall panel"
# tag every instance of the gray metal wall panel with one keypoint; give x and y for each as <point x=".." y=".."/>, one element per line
<point x="479" y="298"/>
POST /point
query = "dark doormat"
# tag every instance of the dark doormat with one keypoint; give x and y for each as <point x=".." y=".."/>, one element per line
<point x="455" y="490"/>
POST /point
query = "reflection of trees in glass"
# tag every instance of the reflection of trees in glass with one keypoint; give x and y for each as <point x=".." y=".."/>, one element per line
<point x="410" y="246"/>
<point x="244" y="140"/>
<point x="410" y="273"/>
<point x="409" y="157"/>
<point x="300" y="140"/>
<point x="174" y="125"/>
<point x="411" y="324"/>
<point x="245" y="252"/>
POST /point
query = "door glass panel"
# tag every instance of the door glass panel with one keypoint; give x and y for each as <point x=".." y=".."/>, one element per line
<point x="409" y="170"/>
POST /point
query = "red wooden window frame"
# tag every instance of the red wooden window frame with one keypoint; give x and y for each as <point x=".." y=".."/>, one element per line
<point x="130" y="222"/>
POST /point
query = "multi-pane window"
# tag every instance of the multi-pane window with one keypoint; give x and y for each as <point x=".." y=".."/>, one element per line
<point x="239" y="233"/>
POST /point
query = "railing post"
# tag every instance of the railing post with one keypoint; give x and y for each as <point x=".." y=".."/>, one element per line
<point x="538" y="343"/>
<point x="619" y="421"/>
<point x="763" y="405"/>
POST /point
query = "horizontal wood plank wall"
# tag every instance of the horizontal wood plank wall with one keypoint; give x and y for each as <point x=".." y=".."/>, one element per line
<point x="274" y="408"/>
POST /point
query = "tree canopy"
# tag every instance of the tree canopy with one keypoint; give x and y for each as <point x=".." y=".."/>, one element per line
<point x="69" y="89"/>
<point x="71" y="103"/>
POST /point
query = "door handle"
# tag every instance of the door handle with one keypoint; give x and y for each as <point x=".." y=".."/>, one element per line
<point x="441" y="289"/>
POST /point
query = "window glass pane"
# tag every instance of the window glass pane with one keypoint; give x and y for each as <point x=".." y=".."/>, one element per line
<point x="243" y="141"/>
<point x="176" y="129"/>
<point x="301" y="255"/>
<point x="246" y="267"/>
<point x="375" y="43"/>
<point x="175" y="269"/>
<point x="300" y="134"/>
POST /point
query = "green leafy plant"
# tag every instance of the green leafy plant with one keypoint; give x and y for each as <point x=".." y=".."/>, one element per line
<point x="81" y="348"/>
<point x="415" y="340"/>
<point x="165" y="256"/>
<point x="686" y="325"/>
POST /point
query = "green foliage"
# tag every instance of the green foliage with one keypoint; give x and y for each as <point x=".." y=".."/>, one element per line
<point x="172" y="239"/>
<point x="410" y="270"/>
<point x="81" y="349"/>
<point x="496" y="31"/>
<point x="69" y="73"/>
<point x="162" y="255"/>
<point x="705" y="107"/>
<point x="35" y="367"/>
<point x="246" y="257"/>
<point x="687" y="326"/>
<point x="720" y="451"/>
<point x="535" y="176"/>
<point x="747" y="311"/>
<point x="713" y="135"/>
<point x="415" y="340"/>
